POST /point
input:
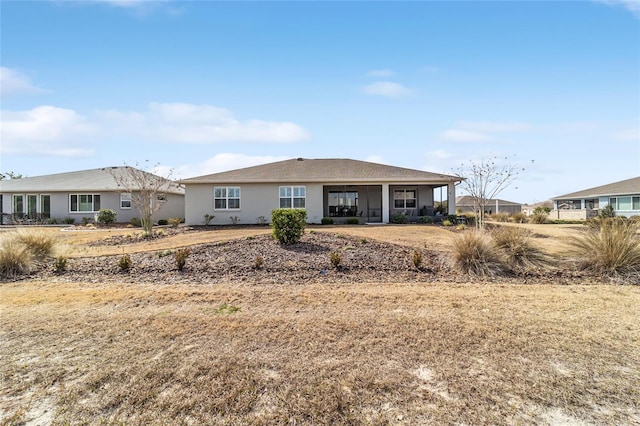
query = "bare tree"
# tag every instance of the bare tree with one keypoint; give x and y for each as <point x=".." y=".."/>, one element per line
<point x="484" y="180"/>
<point x="10" y="175"/>
<point x="146" y="189"/>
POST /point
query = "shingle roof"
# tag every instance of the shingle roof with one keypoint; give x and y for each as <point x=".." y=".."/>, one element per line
<point x="323" y="171"/>
<point x="623" y="187"/>
<point x="84" y="180"/>
<point x="467" y="200"/>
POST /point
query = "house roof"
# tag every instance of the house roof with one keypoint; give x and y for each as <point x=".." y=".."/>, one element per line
<point x="623" y="187"/>
<point x="467" y="200"/>
<point x="323" y="171"/>
<point x="78" y="181"/>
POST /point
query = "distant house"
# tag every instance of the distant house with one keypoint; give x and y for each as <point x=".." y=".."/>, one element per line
<point x="336" y="188"/>
<point x="529" y="209"/>
<point x="466" y="204"/>
<point x="623" y="196"/>
<point x="77" y="195"/>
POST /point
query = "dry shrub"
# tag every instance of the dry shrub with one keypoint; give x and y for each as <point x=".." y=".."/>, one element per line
<point x="15" y="257"/>
<point x="500" y="217"/>
<point x="474" y="254"/>
<point x="40" y="244"/>
<point x="515" y="245"/>
<point x="609" y="246"/>
<point x="519" y="217"/>
<point x="538" y="218"/>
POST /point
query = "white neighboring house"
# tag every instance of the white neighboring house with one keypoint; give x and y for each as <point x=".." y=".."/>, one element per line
<point x="78" y="195"/>
<point x="336" y="188"/>
<point x="623" y="196"/>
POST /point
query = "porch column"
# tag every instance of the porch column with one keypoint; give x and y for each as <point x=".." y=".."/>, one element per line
<point x="385" y="203"/>
<point x="451" y="198"/>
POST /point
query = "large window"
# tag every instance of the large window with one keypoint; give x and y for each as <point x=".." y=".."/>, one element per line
<point x="45" y="205"/>
<point x="125" y="201"/>
<point x="636" y="203"/>
<point x="18" y="203"/>
<point x="32" y="205"/>
<point x="343" y="203"/>
<point x="226" y="198"/>
<point x="404" y="199"/>
<point x="293" y="197"/>
<point x="625" y="203"/>
<point x="84" y="202"/>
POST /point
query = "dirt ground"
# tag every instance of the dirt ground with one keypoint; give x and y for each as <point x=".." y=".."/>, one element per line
<point x="370" y="353"/>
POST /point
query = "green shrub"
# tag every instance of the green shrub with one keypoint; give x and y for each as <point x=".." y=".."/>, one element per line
<point x="181" y="257"/>
<point x="326" y="221"/>
<point x="426" y="219"/>
<point x="136" y="222"/>
<point x="163" y="222"/>
<point x="15" y="257"/>
<point x="40" y="244"/>
<point x="474" y="254"/>
<point x="542" y="210"/>
<point x="607" y="211"/>
<point x="516" y="248"/>
<point x="353" y="221"/>
<point x="174" y="221"/>
<point x="60" y="264"/>
<point x="69" y="220"/>
<point x="261" y="220"/>
<point x="106" y="216"/>
<point x="208" y="218"/>
<point x="124" y="263"/>
<point x="447" y="222"/>
<point x="335" y="257"/>
<point x="288" y="225"/>
<point x="416" y="258"/>
<point x="399" y="218"/>
<point x="611" y="247"/>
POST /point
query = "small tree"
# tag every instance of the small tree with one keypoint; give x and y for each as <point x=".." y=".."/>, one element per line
<point x="484" y="180"/>
<point x="145" y="188"/>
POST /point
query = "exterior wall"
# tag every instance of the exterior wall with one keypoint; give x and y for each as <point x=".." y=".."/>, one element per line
<point x="573" y="214"/>
<point x="598" y="203"/>
<point x="174" y="206"/>
<point x="256" y="200"/>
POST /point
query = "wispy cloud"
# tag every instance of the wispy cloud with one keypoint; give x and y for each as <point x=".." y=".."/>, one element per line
<point x="632" y="6"/>
<point x="45" y="130"/>
<point x="628" y="135"/>
<point x="456" y="135"/>
<point x="14" y="82"/>
<point x="59" y="131"/>
<point x="387" y="89"/>
<point x="482" y="131"/>
<point x="381" y="73"/>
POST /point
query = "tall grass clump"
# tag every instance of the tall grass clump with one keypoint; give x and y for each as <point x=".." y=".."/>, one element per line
<point x="515" y="245"/>
<point x="474" y="254"/>
<point x="609" y="246"/>
<point x="39" y="243"/>
<point x="15" y="257"/>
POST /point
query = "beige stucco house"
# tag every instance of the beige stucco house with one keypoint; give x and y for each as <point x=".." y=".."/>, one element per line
<point x="466" y="203"/>
<point x="79" y="195"/>
<point x="336" y="188"/>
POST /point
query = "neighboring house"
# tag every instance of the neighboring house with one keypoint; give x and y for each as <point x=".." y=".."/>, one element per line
<point x="336" y="188"/>
<point x="623" y="196"/>
<point x="77" y="195"/>
<point x="466" y="204"/>
<point x="529" y="209"/>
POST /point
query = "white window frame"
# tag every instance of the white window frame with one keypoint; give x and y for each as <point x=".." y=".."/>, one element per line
<point x="125" y="197"/>
<point x="13" y="203"/>
<point x="291" y="193"/>
<point x="224" y="194"/>
<point x="28" y="204"/>
<point x="41" y="207"/>
<point x="93" y="203"/>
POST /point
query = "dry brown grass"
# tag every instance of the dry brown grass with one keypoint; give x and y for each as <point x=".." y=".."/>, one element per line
<point x="319" y="354"/>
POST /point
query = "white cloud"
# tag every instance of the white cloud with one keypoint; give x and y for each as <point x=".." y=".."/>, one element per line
<point x="632" y="6"/>
<point x="45" y="130"/>
<point x="380" y="73"/>
<point x="494" y="127"/>
<point x="223" y="162"/>
<point x="14" y="82"/>
<point x="189" y="123"/>
<point x="456" y="135"/>
<point x="628" y="135"/>
<point x="388" y="89"/>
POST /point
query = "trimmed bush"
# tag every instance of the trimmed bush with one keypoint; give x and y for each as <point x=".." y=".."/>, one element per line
<point x="326" y="221"/>
<point x="106" y="216"/>
<point x="15" y="257"/>
<point x="353" y="221"/>
<point x="612" y="246"/>
<point x="288" y="225"/>
<point x="515" y="246"/>
<point x="399" y="218"/>
<point x="474" y="254"/>
<point x="426" y="219"/>
<point x="163" y="222"/>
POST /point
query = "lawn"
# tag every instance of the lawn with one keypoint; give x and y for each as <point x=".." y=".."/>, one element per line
<point x="318" y="353"/>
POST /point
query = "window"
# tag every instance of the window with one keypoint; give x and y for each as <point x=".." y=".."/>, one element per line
<point x="45" y="205"/>
<point x="84" y="202"/>
<point x="18" y="203"/>
<point x="404" y="199"/>
<point x="226" y="198"/>
<point x="636" y="203"/>
<point x="624" y="203"/>
<point x="293" y="197"/>
<point x="161" y="198"/>
<point x="125" y="201"/>
<point x="343" y="203"/>
<point x="32" y="205"/>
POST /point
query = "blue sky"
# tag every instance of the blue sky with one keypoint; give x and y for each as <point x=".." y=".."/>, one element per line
<point x="201" y="87"/>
